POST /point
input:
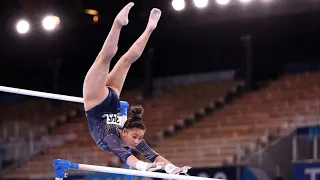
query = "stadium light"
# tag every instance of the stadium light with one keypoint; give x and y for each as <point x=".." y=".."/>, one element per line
<point x="50" y="22"/>
<point x="223" y="2"/>
<point x="266" y="1"/>
<point x="200" y="3"/>
<point x="91" y="12"/>
<point x="23" y="26"/>
<point x="245" y="1"/>
<point x="178" y="5"/>
<point x="95" y="19"/>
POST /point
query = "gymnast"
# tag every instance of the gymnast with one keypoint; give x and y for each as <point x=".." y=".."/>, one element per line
<point x="101" y="92"/>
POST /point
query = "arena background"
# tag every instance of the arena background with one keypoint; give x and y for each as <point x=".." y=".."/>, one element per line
<point x="231" y="90"/>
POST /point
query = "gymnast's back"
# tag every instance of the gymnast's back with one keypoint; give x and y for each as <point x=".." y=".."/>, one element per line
<point x="96" y="117"/>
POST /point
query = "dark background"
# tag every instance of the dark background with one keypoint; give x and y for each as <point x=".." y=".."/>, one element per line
<point x="191" y="41"/>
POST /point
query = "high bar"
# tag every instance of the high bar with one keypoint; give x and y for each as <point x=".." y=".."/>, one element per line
<point x="62" y="165"/>
<point x="41" y="94"/>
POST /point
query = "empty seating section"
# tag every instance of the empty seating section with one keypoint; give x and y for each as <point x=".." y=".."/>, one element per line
<point x="161" y="111"/>
<point x="34" y="114"/>
<point x="280" y="107"/>
<point x="180" y="102"/>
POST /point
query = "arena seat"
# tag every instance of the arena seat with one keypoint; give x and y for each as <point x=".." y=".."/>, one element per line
<point x="275" y="110"/>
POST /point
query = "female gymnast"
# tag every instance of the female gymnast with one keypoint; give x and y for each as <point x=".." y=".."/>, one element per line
<point x="101" y="92"/>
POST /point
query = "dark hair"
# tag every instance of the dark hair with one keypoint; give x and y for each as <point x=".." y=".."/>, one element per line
<point x="136" y="119"/>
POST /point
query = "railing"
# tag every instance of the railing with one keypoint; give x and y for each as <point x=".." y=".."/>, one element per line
<point x="275" y="159"/>
<point x="306" y="148"/>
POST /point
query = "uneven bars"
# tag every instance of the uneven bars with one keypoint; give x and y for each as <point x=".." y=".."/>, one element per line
<point x="68" y="165"/>
<point x="59" y="97"/>
<point x="41" y="94"/>
<point x="62" y="165"/>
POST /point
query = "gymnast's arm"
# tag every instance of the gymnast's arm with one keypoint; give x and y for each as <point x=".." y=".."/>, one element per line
<point x="114" y="145"/>
<point x="132" y="161"/>
<point x="154" y="157"/>
<point x="162" y="159"/>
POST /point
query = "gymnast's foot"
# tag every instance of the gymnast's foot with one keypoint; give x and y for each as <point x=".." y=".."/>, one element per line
<point x="122" y="17"/>
<point x="154" y="18"/>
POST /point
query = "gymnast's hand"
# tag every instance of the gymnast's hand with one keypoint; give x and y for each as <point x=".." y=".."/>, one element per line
<point x="172" y="169"/>
<point x="155" y="166"/>
<point x="182" y="170"/>
<point x="144" y="166"/>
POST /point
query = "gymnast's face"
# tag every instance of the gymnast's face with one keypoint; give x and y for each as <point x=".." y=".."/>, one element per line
<point x="132" y="137"/>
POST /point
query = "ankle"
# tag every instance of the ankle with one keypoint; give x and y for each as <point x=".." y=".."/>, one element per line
<point x="148" y="30"/>
<point x="117" y="24"/>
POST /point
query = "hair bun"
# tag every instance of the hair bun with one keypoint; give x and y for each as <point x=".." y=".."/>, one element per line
<point x="137" y="112"/>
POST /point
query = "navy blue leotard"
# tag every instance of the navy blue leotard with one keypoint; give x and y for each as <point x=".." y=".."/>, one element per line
<point x="107" y="136"/>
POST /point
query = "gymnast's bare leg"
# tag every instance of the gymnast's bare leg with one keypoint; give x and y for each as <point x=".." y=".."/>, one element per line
<point x="98" y="78"/>
<point x="94" y="86"/>
<point x="118" y="75"/>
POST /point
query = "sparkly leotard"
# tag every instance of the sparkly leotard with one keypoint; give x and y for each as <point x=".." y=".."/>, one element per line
<point x="107" y="136"/>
